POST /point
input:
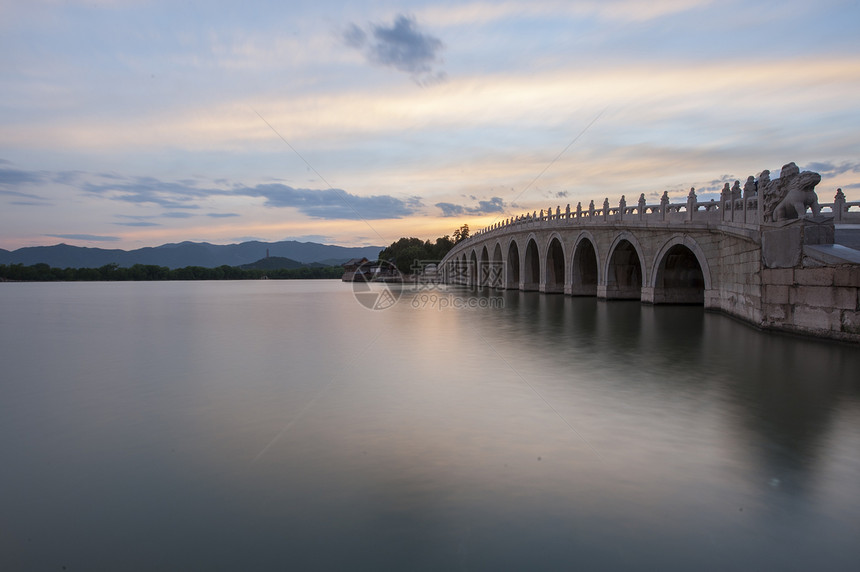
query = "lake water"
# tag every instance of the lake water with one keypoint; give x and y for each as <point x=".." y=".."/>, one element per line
<point x="282" y="425"/>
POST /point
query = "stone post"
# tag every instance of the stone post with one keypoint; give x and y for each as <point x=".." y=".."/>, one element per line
<point x="749" y="187"/>
<point x="579" y="210"/>
<point x="749" y="193"/>
<point x="736" y="196"/>
<point x="838" y="205"/>
<point x="736" y="190"/>
<point x="691" y="203"/>
<point x="605" y="208"/>
<point x="642" y="206"/>
<point x="725" y="200"/>
<point x="567" y="211"/>
<point x="591" y="210"/>
<point x="622" y="206"/>
<point x="664" y="204"/>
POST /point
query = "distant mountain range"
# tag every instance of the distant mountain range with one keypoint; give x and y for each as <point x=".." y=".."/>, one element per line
<point x="187" y="254"/>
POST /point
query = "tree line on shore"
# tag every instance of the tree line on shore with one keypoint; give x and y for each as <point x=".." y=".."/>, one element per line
<point x="113" y="272"/>
<point x="404" y="253"/>
<point x="410" y="255"/>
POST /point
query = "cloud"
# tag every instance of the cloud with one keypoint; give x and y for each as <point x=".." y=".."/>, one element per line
<point x="137" y="223"/>
<point x="494" y="205"/>
<point x="715" y="185"/>
<point x="827" y="168"/>
<point x="332" y="203"/>
<point x="67" y="177"/>
<point x="401" y="46"/>
<point x="25" y="199"/>
<point x="355" y="37"/>
<point x="141" y="190"/>
<point x="91" y="237"/>
<point x="10" y="177"/>
<point x="20" y="194"/>
<point x="182" y="196"/>
<point x="450" y="209"/>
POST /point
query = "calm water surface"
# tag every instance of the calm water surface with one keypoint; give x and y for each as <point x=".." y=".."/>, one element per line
<point x="280" y="425"/>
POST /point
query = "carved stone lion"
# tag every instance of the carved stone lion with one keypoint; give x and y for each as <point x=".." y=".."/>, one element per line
<point x="788" y="196"/>
<point x="750" y="187"/>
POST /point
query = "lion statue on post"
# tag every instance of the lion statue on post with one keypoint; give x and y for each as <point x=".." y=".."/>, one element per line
<point x="789" y="196"/>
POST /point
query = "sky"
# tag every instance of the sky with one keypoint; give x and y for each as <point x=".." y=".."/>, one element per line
<point x="131" y="123"/>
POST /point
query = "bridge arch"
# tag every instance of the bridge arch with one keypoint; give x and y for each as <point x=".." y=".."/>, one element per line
<point x="484" y="268"/>
<point x="472" y="267"/>
<point x="680" y="274"/>
<point x="554" y="264"/>
<point x="584" y="266"/>
<point x="460" y="269"/>
<point x="624" y="271"/>
<point x="512" y="275"/>
<point x="531" y="265"/>
<point x="497" y="268"/>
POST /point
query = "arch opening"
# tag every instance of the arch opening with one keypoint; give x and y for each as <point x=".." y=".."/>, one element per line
<point x="624" y="276"/>
<point x="472" y="280"/>
<point x="497" y="268"/>
<point x="554" y="279"/>
<point x="512" y="277"/>
<point x="484" y="268"/>
<point x="584" y="270"/>
<point x="679" y="278"/>
<point x="531" y="267"/>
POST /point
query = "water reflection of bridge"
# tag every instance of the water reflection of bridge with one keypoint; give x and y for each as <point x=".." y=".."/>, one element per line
<point x="720" y="254"/>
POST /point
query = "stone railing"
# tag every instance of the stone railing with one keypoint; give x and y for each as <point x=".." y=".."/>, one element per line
<point x="729" y="210"/>
<point x="841" y="209"/>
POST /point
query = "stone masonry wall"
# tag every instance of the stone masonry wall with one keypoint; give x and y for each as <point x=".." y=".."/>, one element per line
<point x="821" y="300"/>
<point x="738" y="279"/>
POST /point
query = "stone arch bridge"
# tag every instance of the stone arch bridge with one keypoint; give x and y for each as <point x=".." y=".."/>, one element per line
<point x="789" y="275"/>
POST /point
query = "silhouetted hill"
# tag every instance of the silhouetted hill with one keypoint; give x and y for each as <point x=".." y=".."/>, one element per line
<point x="273" y="263"/>
<point x="187" y="254"/>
